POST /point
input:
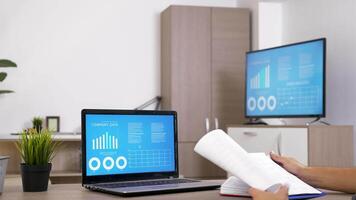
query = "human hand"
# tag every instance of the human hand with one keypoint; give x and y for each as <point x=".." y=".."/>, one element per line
<point x="280" y="194"/>
<point x="288" y="163"/>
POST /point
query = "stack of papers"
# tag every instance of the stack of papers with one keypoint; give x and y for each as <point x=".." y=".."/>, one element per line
<point x="249" y="170"/>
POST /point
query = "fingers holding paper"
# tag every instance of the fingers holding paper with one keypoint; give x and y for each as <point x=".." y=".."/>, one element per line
<point x="289" y="164"/>
<point x="280" y="194"/>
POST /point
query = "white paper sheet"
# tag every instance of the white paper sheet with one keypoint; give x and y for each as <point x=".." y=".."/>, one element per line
<point x="257" y="170"/>
<point x="296" y="186"/>
<point x="222" y="150"/>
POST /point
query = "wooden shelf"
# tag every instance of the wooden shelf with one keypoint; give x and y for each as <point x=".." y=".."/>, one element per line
<point x="68" y="157"/>
<point x="56" y="137"/>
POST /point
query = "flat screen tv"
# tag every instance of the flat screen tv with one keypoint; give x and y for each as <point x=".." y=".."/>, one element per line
<point x="286" y="81"/>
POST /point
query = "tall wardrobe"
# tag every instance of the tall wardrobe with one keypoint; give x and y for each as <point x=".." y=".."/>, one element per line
<point x="202" y="75"/>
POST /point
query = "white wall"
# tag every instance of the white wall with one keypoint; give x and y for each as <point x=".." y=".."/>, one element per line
<point x="269" y="24"/>
<point x="308" y="19"/>
<point x="75" y="54"/>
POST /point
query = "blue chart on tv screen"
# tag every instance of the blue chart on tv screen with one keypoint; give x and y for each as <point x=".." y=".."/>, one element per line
<point x="286" y="81"/>
<point x="122" y="144"/>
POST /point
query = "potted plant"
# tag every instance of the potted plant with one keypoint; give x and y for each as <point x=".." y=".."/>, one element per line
<point x="37" y="149"/>
<point x="3" y="75"/>
<point x="4" y="159"/>
<point x="37" y="123"/>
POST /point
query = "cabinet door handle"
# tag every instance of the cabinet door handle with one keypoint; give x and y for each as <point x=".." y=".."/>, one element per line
<point x="216" y="123"/>
<point x="207" y="124"/>
<point x="279" y="144"/>
<point x="250" y="133"/>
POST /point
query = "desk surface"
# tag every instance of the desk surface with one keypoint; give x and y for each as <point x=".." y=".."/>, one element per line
<point x="13" y="191"/>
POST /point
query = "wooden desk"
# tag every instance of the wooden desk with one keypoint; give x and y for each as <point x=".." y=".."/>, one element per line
<point x="13" y="191"/>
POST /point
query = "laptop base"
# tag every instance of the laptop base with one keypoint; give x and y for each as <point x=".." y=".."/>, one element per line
<point x="163" y="189"/>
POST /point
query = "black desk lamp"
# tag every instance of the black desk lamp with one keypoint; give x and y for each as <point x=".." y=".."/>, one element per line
<point x="157" y="100"/>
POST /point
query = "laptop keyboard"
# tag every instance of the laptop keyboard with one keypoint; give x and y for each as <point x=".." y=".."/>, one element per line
<point x="147" y="183"/>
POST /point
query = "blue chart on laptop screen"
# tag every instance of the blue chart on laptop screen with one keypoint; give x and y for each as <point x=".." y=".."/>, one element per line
<point x="285" y="81"/>
<point x="121" y="144"/>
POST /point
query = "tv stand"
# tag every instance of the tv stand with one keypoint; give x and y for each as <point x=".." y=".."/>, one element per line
<point x="255" y="121"/>
<point x="311" y="145"/>
<point x="317" y="120"/>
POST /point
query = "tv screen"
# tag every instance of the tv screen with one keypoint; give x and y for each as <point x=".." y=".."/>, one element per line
<point x="286" y="81"/>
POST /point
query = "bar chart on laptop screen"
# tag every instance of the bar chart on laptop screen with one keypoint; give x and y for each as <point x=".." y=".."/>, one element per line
<point x="121" y="144"/>
<point x="105" y="141"/>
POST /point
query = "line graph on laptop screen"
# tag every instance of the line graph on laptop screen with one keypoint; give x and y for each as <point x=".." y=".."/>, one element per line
<point x="123" y="144"/>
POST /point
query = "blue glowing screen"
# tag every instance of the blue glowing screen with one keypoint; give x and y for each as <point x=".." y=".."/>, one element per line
<point x="123" y="144"/>
<point x="286" y="81"/>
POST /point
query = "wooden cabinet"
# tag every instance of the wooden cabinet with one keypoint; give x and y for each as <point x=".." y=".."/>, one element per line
<point x="230" y="42"/>
<point x="186" y="63"/>
<point x="312" y="145"/>
<point x="202" y="73"/>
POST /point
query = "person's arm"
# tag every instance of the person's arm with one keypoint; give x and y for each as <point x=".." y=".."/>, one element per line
<point x="340" y="179"/>
<point x="280" y="194"/>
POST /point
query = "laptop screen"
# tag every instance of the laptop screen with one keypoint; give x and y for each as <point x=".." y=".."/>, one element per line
<point x="129" y="143"/>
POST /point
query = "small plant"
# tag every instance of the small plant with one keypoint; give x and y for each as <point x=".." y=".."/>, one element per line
<point x="37" y="123"/>
<point x="3" y="75"/>
<point x="37" y="148"/>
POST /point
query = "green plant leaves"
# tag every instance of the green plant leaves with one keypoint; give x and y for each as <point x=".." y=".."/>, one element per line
<point x="2" y="76"/>
<point x="6" y="91"/>
<point x="37" y="148"/>
<point x="7" y="63"/>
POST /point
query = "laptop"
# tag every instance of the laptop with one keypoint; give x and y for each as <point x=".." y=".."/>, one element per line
<point x="133" y="152"/>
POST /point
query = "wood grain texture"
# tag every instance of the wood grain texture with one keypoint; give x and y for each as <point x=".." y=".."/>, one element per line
<point x="13" y="191"/>
<point x="230" y="42"/>
<point x="187" y="68"/>
<point x="193" y="165"/>
<point x="166" y="86"/>
<point x="202" y="69"/>
<point x="67" y="157"/>
<point x="8" y="148"/>
<point x="331" y="146"/>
